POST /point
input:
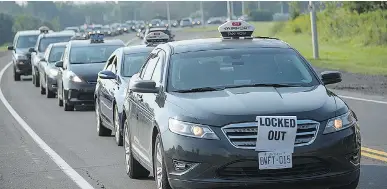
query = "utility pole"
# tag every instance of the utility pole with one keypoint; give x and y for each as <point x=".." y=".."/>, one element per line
<point x="228" y="10"/>
<point x="282" y="7"/>
<point x="259" y="5"/>
<point x="232" y="9"/>
<point x="168" y="15"/>
<point x="314" y="30"/>
<point x="202" y="13"/>
<point x="243" y="8"/>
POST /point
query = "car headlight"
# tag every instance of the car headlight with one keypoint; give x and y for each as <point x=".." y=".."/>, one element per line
<point x="21" y="57"/>
<point x="340" y="122"/>
<point x="75" y="79"/>
<point x="53" y="72"/>
<point x="191" y="129"/>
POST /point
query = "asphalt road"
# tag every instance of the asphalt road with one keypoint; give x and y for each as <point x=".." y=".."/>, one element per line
<point x="72" y="135"/>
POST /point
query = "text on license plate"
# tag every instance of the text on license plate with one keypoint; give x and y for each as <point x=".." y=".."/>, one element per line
<point x="275" y="160"/>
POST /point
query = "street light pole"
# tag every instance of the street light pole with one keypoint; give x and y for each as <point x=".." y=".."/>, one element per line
<point x="168" y="15"/>
<point x="314" y="30"/>
<point x="228" y="10"/>
<point x="243" y="8"/>
<point x="202" y="13"/>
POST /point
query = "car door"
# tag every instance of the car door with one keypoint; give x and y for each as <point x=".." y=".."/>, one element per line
<point x="112" y="85"/>
<point x="43" y="65"/>
<point x="104" y="93"/>
<point x="143" y="110"/>
<point x="61" y="75"/>
<point x="149" y="105"/>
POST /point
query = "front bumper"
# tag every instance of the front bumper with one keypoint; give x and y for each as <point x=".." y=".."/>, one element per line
<point x="82" y="94"/>
<point x="328" y="162"/>
<point x="23" y="67"/>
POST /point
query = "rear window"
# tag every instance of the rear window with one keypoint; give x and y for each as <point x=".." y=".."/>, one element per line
<point x="56" y="54"/>
<point x="132" y="63"/>
<point x="45" y="42"/>
<point x="91" y="54"/>
<point x="26" y="41"/>
<point x="231" y="67"/>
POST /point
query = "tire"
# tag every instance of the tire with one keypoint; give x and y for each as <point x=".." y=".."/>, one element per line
<point x="132" y="167"/>
<point x="159" y="169"/>
<point x="49" y="93"/>
<point x="60" y="101"/>
<point x="66" y="105"/>
<point x="117" y="135"/>
<point x="37" y="81"/>
<point x="42" y="90"/>
<point x="16" y="76"/>
<point x="101" y="129"/>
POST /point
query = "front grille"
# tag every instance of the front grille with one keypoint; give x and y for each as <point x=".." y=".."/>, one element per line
<point x="244" y="135"/>
<point x="302" y="167"/>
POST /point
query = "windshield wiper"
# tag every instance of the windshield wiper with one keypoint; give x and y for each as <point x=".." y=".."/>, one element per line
<point x="202" y="89"/>
<point x="264" y="85"/>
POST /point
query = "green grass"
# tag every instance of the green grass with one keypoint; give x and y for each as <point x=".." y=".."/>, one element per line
<point x="347" y="57"/>
<point x="3" y="48"/>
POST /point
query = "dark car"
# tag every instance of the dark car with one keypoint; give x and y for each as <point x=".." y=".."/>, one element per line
<point x="47" y="71"/>
<point x="21" y="57"/>
<point x="111" y="87"/>
<point x="238" y="113"/>
<point x="159" y="29"/>
<point x="44" y="40"/>
<point x="78" y="72"/>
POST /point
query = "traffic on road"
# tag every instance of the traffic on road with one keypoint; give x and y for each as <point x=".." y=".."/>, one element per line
<point x="235" y="111"/>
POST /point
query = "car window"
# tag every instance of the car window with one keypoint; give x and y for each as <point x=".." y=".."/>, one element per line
<point x="132" y="63"/>
<point x="150" y="68"/>
<point x="56" y="53"/>
<point x="45" y="42"/>
<point x="26" y="41"/>
<point x="157" y="73"/>
<point x="232" y="67"/>
<point x="91" y="54"/>
<point x="114" y="65"/>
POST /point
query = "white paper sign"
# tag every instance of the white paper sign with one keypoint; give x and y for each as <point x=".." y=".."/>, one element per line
<point x="275" y="160"/>
<point x="276" y="133"/>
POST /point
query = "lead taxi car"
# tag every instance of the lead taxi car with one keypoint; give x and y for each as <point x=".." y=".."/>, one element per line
<point x="238" y="111"/>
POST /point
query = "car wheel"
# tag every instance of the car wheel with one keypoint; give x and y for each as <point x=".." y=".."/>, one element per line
<point x="66" y="105"/>
<point x="37" y="81"/>
<point x="42" y="89"/>
<point x="49" y="93"/>
<point x="159" y="169"/>
<point x="117" y="134"/>
<point x="16" y="76"/>
<point x="60" y="100"/>
<point x="33" y="78"/>
<point x="101" y="130"/>
<point x="133" y="168"/>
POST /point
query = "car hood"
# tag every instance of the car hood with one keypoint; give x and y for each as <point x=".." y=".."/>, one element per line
<point x="87" y="72"/>
<point x="237" y="105"/>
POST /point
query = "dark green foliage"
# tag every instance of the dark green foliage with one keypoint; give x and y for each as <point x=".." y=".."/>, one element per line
<point x="5" y="28"/>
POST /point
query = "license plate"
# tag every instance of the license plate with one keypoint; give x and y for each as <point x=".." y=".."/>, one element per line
<point x="275" y="160"/>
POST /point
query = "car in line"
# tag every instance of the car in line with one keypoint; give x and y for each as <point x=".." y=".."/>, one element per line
<point x="79" y="67"/>
<point x="165" y="30"/>
<point x="113" y="81"/>
<point x="47" y="71"/>
<point x="241" y="112"/>
<point x="21" y="57"/>
<point x="186" y="22"/>
<point x="37" y="52"/>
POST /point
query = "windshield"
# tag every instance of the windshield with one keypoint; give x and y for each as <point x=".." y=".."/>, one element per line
<point x="26" y="41"/>
<point x="133" y="63"/>
<point x="91" y="54"/>
<point x="56" y="54"/>
<point x="233" y="67"/>
<point x="45" y="42"/>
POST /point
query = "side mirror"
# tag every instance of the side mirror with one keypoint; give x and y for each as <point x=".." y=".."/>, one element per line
<point x="106" y="74"/>
<point x="331" y="77"/>
<point x="144" y="86"/>
<point x="10" y="48"/>
<point x="31" y="50"/>
<point x="59" y="64"/>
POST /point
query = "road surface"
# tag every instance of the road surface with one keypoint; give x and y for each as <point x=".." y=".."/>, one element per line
<point x="99" y="161"/>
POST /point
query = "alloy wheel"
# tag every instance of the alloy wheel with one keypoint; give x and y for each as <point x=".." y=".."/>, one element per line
<point x="127" y="148"/>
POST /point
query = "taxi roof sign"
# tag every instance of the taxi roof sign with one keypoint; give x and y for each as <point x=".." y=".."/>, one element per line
<point x="96" y="37"/>
<point x="44" y="29"/>
<point x="157" y="37"/>
<point x="236" y="29"/>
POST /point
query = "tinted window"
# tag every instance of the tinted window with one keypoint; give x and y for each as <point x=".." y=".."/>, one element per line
<point x="56" y="54"/>
<point x="232" y="67"/>
<point x="91" y="54"/>
<point x="26" y="41"/>
<point x="132" y="63"/>
<point x="45" y="42"/>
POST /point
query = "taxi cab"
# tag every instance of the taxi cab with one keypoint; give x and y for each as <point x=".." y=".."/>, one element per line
<point x="238" y="112"/>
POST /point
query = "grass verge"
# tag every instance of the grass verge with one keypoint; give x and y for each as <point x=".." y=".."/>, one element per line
<point x="3" y="48"/>
<point x="338" y="56"/>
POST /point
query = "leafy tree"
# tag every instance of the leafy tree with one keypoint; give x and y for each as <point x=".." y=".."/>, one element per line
<point x="5" y="31"/>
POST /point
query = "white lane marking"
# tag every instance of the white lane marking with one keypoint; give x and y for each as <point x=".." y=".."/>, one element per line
<point x="363" y="99"/>
<point x="69" y="171"/>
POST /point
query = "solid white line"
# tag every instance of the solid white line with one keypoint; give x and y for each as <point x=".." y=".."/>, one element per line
<point x="69" y="171"/>
<point x="363" y="99"/>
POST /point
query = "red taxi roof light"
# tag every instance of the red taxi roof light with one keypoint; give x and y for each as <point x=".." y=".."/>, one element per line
<point x="236" y="23"/>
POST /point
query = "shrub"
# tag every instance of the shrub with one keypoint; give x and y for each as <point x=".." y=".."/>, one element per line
<point x="258" y="15"/>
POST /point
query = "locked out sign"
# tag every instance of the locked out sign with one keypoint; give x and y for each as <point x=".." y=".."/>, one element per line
<point x="276" y="133"/>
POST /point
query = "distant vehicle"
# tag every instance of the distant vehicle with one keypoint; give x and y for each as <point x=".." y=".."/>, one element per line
<point x="186" y="22"/>
<point x="47" y="71"/>
<point x="216" y="20"/>
<point x="106" y="30"/>
<point x="37" y="52"/>
<point x="97" y="28"/>
<point x="174" y="23"/>
<point x="164" y="23"/>
<point x="125" y="27"/>
<point x="154" y="23"/>
<point x="21" y="57"/>
<point x="160" y="29"/>
<point x="78" y="72"/>
<point x="196" y="21"/>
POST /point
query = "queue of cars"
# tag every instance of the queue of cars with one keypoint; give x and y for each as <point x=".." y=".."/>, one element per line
<point x="235" y="111"/>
